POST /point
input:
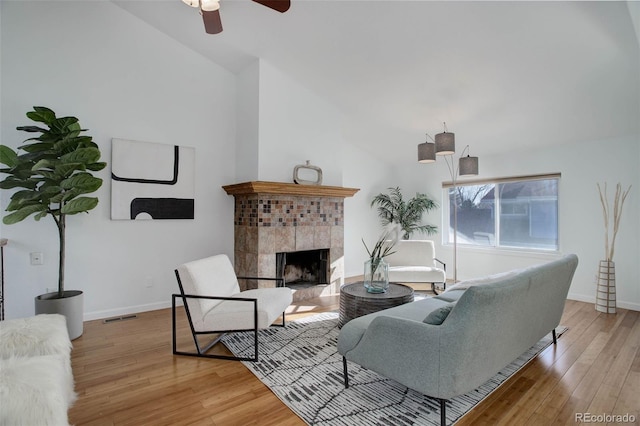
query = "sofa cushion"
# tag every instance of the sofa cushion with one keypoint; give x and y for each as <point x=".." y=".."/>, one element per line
<point x="437" y="316"/>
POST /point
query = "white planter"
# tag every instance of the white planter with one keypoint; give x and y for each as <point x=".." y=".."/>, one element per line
<point x="71" y="306"/>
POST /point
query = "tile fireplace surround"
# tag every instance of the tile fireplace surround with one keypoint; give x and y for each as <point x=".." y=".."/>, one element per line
<point x="272" y="217"/>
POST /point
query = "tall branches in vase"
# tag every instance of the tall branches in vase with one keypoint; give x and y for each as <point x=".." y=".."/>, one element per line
<point x="618" y="203"/>
<point x="606" y="278"/>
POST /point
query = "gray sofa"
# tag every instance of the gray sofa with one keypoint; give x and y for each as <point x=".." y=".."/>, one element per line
<point x="485" y="325"/>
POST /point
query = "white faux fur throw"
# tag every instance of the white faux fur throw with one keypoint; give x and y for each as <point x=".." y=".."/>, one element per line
<point x="38" y="335"/>
<point x="36" y="380"/>
<point x="35" y="391"/>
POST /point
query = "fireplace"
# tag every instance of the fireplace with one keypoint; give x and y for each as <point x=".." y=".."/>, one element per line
<point x="303" y="269"/>
<point x="276" y="224"/>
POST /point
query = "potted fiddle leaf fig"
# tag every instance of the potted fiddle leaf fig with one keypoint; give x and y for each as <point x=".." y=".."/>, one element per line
<point x="51" y="174"/>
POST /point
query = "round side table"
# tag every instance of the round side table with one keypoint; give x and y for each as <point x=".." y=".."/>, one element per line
<point x="355" y="301"/>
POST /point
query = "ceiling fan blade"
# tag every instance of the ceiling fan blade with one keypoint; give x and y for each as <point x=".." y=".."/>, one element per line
<point x="212" y="22"/>
<point x="279" y="5"/>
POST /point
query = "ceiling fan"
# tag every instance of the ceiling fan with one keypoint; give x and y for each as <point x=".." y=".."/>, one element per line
<point x="210" y="11"/>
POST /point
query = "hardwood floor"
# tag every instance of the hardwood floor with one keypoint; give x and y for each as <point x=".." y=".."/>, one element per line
<point x="126" y="375"/>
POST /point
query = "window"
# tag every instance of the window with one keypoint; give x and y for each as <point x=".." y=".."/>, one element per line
<point x="519" y="212"/>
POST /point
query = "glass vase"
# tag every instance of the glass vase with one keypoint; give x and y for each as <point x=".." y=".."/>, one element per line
<point x="376" y="275"/>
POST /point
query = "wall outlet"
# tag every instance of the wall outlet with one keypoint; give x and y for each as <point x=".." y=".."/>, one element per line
<point x="36" y="258"/>
<point x="148" y="282"/>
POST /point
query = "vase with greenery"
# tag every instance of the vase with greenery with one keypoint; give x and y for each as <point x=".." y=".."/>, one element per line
<point x="51" y="174"/>
<point x="393" y="209"/>
<point x="376" y="269"/>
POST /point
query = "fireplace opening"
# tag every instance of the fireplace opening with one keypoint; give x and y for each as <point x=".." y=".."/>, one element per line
<point x="303" y="269"/>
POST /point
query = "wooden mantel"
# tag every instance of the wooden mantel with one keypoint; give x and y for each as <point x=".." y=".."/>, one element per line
<point x="280" y="188"/>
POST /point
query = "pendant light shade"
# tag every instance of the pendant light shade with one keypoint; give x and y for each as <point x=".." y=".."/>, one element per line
<point x="468" y="166"/>
<point x="445" y="143"/>
<point x="426" y="152"/>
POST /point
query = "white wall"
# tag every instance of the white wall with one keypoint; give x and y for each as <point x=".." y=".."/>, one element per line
<point x="296" y="125"/>
<point x="580" y="215"/>
<point x="248" y="119"/>
<point x="372" y="175"/>
<point x="123" y="79"/>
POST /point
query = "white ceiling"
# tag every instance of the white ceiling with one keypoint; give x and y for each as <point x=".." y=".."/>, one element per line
<point x="503" y="75"/>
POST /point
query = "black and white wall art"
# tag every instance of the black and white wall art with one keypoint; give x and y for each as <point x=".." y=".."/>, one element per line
<point x="151" y="180"/>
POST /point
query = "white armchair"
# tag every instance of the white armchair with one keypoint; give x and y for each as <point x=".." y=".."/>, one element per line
<point x="214" y="304"/>
<point x="414" y="261"/>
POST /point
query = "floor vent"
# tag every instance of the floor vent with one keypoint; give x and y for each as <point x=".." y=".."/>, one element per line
<point x="122" y="318"/>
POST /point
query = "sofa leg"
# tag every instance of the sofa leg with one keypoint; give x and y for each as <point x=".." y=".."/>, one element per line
<point x="443" y="412"/>
<point x="346" y="374"/>
<point x="555" y="338"/>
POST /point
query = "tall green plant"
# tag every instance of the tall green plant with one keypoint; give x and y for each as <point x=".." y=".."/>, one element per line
<point x="392" y="208"/>
<point x="52" y="175"/>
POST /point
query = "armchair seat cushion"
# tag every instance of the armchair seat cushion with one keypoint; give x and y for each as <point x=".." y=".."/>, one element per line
<point x="416" y="274"/>
<point x="232" y="315"/>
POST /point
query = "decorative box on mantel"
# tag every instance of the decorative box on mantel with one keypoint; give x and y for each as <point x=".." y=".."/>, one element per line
<point x="290" y="230"/>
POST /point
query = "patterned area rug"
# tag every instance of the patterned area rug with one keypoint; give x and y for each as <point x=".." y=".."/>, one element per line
<point x="301" y="365"/>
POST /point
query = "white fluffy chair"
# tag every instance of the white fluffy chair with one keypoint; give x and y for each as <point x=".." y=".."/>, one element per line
<point x="214" y="304"/>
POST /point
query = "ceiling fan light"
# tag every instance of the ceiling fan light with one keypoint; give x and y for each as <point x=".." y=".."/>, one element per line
<point x="210" y="5"/>
<point x="192" y="3"/>
<point x="445" y="143"/>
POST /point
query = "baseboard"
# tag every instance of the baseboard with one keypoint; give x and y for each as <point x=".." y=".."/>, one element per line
<point x="89" y="316"/>
<point x="591" y="299"/>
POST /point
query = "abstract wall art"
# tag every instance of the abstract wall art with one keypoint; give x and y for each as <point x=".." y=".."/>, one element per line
<point x="151" y="180"/>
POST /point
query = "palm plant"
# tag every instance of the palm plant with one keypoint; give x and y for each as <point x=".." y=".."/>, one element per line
<point x="392" y="208"/>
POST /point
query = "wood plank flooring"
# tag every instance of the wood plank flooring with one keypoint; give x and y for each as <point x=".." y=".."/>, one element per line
<point x="126" y="375"/>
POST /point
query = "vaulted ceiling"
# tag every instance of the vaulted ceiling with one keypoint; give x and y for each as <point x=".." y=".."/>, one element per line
<point x="502" y="75"/>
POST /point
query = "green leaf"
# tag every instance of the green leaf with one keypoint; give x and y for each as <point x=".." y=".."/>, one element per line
<point x="8" y="156"/>
<point x="63" y="171"/>
<point x="11" y="182"/>
<point x="37" y="147"/>
<point x="45" y="164"/>
<point x="32" y="129"/>
<point x="79" y="205"/>
<point x="42" y="115"/>
<point x="81" y="155"/>
<point x="82" y="181"/>
<point x="65" y="125"/>
<point x="94" y="167"/>
<point x="23" y="213"/>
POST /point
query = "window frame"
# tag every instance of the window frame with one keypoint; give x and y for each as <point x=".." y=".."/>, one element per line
<point x="448" y="225"/>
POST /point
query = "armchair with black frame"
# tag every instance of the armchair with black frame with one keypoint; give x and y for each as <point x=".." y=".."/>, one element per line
<point x="214" y="304"/>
